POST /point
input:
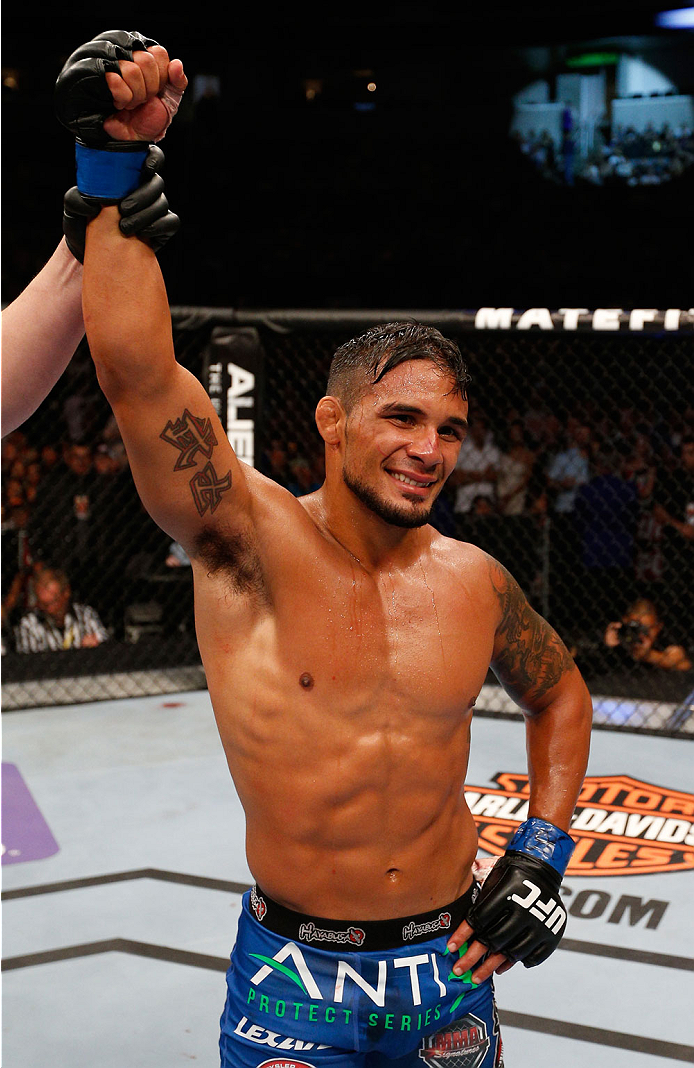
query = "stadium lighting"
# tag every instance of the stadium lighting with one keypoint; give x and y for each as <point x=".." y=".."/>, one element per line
<point x="681" y="18"/>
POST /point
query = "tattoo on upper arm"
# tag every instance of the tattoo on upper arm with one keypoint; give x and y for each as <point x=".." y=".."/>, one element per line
<point x="207" y="488"/>
<point x="192" y="435"/>
<point x="189" y="435"/>
<point x="532" y="658"/>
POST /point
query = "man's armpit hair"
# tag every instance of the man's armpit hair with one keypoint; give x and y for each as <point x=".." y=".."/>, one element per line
<point x="235" y="555"/>
<point x="534" y="657"/>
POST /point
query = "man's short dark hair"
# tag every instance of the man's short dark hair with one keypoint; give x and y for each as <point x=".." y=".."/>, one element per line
<point x="366" y="359"/>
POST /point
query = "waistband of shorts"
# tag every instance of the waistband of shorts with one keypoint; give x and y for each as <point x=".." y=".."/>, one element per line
<point x="359" y="935"/>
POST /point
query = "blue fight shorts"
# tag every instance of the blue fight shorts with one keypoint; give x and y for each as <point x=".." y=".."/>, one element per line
<point x="307" y="992"/>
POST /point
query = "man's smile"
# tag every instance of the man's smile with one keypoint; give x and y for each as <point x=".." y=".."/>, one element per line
<point x="414" y="480"/>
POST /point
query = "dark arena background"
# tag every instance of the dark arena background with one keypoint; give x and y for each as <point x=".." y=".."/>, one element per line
<point x="338" y="171"/>
<point x="521" y="176"/>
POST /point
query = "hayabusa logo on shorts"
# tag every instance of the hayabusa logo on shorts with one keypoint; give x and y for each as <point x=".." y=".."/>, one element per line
<point x="308" y="932"/>
<point x="462" y="1044"/>
<point x="414" y="930"/>
<point x="258" y="905"/>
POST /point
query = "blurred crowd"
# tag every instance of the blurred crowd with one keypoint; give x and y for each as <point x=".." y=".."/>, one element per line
<point x="626" y="157"/>
<point x="589" y="511"/>
<point x="77" y="545"/>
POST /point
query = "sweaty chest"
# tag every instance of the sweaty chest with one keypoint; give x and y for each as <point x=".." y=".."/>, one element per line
<point x="399" y="639"/>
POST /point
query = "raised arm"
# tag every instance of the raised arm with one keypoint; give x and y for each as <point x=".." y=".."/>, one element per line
<point x="117" y="93"/>
<point x="185" y="470"/>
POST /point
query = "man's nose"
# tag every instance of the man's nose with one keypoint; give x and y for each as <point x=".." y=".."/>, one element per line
<point x="425" y="446"/>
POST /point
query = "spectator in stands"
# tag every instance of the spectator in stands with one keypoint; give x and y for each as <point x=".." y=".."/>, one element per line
<point x="57" y="622"/>
<point x="32" y="480"/>
<point x="11" y="450"/>
<point x="640" y="636"/>
<point x="49" y="457"/>
<point x="16" y="562"/>
<point x="567" y="471"/>
<point x="570" y="468"/>
<point x="675" y="493"/>
<point x="177" y="556"/>
<point x="477" y="468"/>
<point x="515" y="470"/>
<point x="674" y="508"/>
<point x="103" y="462"/>
<point x="19" y="599"/>
<point x="61" y="529"/>
<point x="302" y="479"/>
<point x="640" y="469"/>
<point x="13" y="493"/>
<point x="275" y="462"/>
<point x="605" y="514"/>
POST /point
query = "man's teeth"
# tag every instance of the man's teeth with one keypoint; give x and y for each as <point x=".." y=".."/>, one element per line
<point x="409" y="481"/>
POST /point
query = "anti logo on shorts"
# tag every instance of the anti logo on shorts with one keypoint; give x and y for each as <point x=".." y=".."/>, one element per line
<point x="354" y="936"/>
<point x="414" y="930"/>
<point x="463" y="1044"/>
<point x="621" y="826"/>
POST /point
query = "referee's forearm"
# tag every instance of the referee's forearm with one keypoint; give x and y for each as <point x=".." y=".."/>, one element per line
<point x="41" y="329"/>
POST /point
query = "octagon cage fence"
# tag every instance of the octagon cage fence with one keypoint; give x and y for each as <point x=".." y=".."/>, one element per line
<point x="575" y="477"/>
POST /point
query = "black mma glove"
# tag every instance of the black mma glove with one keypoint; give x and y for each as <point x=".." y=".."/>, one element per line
<point x="518" y="910"/>
<point x="107" y="170"/>
<point x="145" y="212"/>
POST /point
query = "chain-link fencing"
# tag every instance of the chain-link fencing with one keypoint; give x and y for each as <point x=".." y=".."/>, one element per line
<point x="577" y="475"/>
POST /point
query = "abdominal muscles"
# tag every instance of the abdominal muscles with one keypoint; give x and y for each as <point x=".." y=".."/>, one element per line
<point x="353" y="813"/>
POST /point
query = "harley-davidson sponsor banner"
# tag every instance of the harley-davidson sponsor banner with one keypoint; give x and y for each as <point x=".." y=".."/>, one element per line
<point x="621" y="826"/>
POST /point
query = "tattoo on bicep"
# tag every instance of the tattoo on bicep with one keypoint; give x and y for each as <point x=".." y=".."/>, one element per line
<point x="192" y="435"/>
<point x="207" y="488"/>
<point x="533" y="657"/>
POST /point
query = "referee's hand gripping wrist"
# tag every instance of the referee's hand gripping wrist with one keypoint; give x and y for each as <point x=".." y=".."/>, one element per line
<point x="144" y="212"/>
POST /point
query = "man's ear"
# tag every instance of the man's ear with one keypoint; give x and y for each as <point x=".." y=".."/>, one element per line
<point x="330" y="420"/>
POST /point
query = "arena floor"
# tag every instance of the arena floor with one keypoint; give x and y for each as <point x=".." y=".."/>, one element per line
<point x="124" y="863"/>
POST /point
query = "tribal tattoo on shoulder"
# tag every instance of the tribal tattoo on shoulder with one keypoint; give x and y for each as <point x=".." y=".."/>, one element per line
<point x="192" y="435"/>
<point x="533" y="657"/>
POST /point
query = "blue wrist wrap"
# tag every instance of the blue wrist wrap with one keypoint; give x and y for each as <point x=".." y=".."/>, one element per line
<point x="110" y="174"/>
<point x="542" y="840"/>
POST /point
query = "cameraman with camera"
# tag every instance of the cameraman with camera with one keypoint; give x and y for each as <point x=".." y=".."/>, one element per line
<point x="639" y="634"/>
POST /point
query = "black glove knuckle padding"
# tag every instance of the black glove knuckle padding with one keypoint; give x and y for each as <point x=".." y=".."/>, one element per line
<point x="82" y="98"/>
<point x="518" y="910"/>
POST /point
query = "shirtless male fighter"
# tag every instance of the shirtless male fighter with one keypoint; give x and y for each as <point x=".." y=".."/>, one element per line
<point x="345" y="642"/>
